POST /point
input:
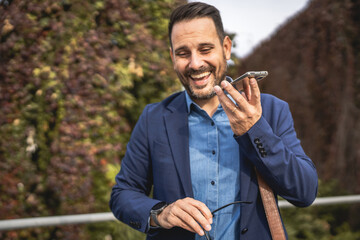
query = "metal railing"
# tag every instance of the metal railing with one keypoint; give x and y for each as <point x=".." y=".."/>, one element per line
<point x="326" y="201"/>
<point x="13" y="224"/>
<point x="55" y="220"/>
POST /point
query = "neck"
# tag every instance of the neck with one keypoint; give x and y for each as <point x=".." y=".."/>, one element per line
<point x="208" y="105"/>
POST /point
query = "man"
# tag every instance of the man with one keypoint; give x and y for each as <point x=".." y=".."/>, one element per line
<point x="199" y="148"/>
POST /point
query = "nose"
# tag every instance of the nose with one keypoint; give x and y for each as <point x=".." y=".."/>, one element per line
<point x="196" y="61"/>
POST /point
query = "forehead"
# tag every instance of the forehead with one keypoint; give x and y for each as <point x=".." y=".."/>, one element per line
<point x="194" y="32"/>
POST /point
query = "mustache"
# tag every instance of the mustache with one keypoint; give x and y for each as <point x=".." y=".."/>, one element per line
<point x="202" y="69"/>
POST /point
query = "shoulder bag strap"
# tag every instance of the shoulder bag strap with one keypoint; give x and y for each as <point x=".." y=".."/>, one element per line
<point x="271" y="210"/>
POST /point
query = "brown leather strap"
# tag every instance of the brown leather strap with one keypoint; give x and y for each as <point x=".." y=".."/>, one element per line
<point x="271" y="210"/>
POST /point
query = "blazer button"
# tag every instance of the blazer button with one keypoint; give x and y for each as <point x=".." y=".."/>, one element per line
<point x="244" y="231"/>
<point x="136" y="225"/>
<point x="256" y="141"/>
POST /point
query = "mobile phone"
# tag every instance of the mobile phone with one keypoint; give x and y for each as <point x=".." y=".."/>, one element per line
<point x="258" y="75"/>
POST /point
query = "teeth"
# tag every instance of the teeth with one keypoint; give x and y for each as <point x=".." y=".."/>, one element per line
<point x="200" y="75"/>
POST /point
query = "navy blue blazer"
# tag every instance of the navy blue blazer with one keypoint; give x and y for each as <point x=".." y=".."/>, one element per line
<point x="158" y="155"/>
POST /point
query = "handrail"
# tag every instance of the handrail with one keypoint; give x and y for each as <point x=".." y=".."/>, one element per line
<point x="55" y="220"/>
<point x="12" y="224"/>
<point x="326" y="201"/>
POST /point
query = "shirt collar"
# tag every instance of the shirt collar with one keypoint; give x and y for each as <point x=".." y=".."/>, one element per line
<point x="189" y="102"/>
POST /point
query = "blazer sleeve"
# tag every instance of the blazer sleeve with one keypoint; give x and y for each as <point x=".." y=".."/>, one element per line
<point x="129" y="200"/>
<point x="274" y="149"/>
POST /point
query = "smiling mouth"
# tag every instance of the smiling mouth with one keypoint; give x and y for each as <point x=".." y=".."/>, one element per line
<point x="201" y="76"/>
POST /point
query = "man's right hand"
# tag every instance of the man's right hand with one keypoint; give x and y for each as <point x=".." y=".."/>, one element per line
<point x="186" y="213"/>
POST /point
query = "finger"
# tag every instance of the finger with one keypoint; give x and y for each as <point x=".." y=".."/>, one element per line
<point x="199" y="212"/>
<point x="186" y="226"/>
<point x="175" y="216"/>
<point x="203" y="208"/>
<point x="255" y="90"/>
<point x="225" y="101"/>
<point x="188" y="213"/>
<point x="236" y="95"/>
<point x="202" y="216"/>
<point x="244" y="96"/>
<point x="247" y="89"/>
<point x="186" y="221"/>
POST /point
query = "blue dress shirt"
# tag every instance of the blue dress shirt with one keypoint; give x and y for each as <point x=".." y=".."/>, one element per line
<point x="215" y="168"/>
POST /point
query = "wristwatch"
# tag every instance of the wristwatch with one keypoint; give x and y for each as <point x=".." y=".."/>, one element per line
<point x="156" y="210"/>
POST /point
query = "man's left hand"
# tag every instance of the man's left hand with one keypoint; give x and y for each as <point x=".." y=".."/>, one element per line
<point x="246" y="110"/>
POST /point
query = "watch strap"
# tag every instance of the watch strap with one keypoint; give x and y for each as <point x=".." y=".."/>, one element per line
<point x="156" y="210"/>
<point x="154" y="218"/>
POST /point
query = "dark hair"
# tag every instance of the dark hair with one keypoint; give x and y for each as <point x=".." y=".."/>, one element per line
<point x="195" y="10"/>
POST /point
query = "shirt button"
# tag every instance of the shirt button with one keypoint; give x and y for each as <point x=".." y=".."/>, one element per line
<point x="212" y="123"/>
<point x="213" y="152"/>
<point x="212" y="183"/>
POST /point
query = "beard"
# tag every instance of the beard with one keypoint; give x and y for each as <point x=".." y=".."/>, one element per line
<point x="193" y="91"/>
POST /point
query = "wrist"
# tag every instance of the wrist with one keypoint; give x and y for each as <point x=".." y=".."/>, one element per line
<point x="154" y="212"/>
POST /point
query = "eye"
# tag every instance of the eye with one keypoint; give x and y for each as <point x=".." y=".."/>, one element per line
<point x="206" y="50"/>
<point x="182" y="54"/>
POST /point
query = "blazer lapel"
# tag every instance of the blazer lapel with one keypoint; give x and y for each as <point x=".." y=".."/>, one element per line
<point x="176" y="122"/>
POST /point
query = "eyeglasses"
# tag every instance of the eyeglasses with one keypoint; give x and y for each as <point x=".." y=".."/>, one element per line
<point x="207" y="235"/>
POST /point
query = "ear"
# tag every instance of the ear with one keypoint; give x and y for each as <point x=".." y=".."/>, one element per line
<point x="172" y="55"/>
<point x="227" y="44"/>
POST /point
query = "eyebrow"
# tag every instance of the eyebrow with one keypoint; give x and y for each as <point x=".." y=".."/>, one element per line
<point x="207" y="45"/>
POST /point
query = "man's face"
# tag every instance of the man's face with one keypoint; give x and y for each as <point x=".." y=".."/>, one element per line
<point x="198" y="56"/>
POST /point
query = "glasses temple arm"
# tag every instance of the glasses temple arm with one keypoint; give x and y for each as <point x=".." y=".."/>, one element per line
<point x="237" y="202"/>
<point x="246" y="202"/>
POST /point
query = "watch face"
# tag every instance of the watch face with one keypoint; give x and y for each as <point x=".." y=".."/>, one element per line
<point x="158" y="206"/>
